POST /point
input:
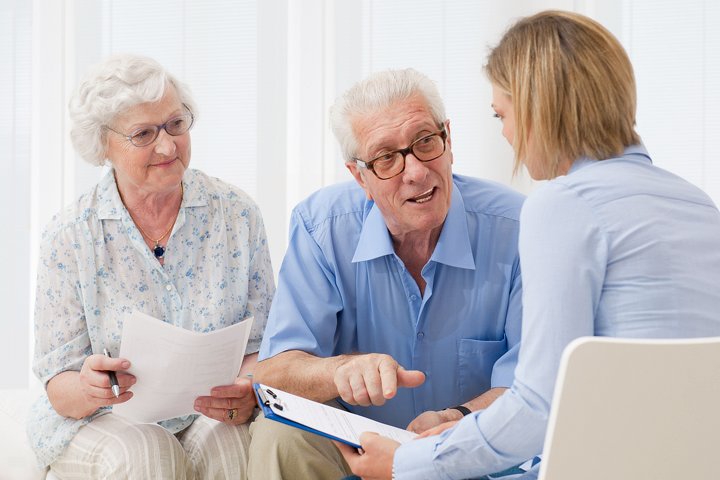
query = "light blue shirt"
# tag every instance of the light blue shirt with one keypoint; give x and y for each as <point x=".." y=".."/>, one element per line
<point x="615" y="248"/>
<point x="95" y="268"/>
<point x="342" y="289"/>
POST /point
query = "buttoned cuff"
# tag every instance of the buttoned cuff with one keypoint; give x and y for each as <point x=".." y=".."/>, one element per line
<point x="414" y="460"/>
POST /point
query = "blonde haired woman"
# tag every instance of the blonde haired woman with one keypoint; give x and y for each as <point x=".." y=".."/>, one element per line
<point x="610" y="246"/>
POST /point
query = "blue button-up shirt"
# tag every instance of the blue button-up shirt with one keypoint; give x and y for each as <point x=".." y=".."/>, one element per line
<point x="342" y="289"/>
<point x="616" y="248"/>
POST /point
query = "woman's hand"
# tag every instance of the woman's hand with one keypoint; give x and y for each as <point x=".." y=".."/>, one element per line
<point x="95" y="381"/>
<point x="376" y="460"/>
<point x="231" y="404"/>
<point x="79" y="394"/>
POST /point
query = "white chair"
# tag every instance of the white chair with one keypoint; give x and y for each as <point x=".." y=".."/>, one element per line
<point x="629" y="409"/>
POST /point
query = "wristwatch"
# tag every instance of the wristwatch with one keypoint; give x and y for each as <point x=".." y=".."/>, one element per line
<point x="461" y="408"/>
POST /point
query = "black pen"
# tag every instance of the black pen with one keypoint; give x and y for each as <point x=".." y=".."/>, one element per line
<point x="113" y="379"/>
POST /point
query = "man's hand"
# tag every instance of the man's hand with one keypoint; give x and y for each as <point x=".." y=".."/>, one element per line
<point x="430" y="419"/>
<point x="438" y="429"/>
<point x="375" y="463"/>
<point x="372" y="378"/>
<point x="231" y="404"/>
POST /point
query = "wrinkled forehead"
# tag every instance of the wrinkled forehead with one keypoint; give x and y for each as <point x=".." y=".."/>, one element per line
<point x="393" y="125"/>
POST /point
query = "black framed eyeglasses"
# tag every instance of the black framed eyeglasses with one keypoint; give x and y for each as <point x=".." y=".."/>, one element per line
<point x="145" y="135"/>
<point x="392" y="164"/>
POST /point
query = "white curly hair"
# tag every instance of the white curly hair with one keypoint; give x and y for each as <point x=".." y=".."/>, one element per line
<point x="376" y="92"/>
<point x="110" y="88"/>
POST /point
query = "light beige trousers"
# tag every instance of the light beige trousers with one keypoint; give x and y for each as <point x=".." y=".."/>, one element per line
<point x="281" y="452"/>
<point x="111" y="447"/>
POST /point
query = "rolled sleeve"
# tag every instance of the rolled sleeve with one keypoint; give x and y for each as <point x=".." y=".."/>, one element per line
<point x="307" y="302"/>
<point x="61" y="337"/>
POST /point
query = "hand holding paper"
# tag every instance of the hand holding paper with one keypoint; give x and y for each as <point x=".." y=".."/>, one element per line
<point x="174" y="366"/>
<point x="233" y="404"/>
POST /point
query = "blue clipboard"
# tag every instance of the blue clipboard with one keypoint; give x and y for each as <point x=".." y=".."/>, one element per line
<point x="272" y="409"/>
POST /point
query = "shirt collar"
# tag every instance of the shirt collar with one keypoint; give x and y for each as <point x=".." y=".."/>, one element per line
<point x="633" y="152"/>
<point x="110" y="207"/>
<point x="453" y="247"/>
<point x="374" y="238"/>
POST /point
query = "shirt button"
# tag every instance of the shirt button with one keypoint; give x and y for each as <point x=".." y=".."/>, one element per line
<point x="420" y="335"/>
<point x="413" y="297"/>
<point x="168" y="287"/>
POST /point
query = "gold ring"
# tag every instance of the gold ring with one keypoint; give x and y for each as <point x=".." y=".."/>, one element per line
<point x="232" y="413"/>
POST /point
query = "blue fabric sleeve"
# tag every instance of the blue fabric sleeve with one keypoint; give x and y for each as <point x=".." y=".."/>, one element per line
<point x="304" y="312"/>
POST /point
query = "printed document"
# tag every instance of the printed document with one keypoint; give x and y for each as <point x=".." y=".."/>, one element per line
<point x="174" y="366"/>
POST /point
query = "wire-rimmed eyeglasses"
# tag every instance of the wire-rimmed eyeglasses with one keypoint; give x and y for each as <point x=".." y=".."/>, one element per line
<point x="145" y="135"/>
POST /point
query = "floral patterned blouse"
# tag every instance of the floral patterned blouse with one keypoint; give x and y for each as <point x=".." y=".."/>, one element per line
<point x="95" y="269"/>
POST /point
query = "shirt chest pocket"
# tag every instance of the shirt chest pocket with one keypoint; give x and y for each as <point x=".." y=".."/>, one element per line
<point x="476" y="359"/>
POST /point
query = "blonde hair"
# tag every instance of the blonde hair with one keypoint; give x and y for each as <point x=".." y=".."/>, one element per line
<point x="572" y="87"/>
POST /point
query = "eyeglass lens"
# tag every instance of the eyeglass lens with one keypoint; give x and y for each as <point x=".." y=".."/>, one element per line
<point x="175" y="126"/>
<point x="425" y="149"/>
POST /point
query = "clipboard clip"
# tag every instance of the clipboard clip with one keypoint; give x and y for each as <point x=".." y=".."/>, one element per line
<point x="263" y="398"/>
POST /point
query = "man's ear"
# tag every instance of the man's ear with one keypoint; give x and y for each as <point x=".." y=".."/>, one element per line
<point x="359" y="175"/>
<point x="448" y="141"/>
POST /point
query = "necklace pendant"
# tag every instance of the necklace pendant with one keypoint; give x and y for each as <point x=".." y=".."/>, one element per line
<point x="158" y="250"/>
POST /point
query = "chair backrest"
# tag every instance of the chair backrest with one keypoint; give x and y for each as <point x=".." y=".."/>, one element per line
<point x="635" y="409"/>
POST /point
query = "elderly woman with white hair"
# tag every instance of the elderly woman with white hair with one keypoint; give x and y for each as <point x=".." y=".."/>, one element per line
<point x="156" y="237"/>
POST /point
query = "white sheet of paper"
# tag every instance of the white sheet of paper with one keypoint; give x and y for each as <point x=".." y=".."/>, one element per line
<point x="174" y="366"/>
<point x="333" y="421"/>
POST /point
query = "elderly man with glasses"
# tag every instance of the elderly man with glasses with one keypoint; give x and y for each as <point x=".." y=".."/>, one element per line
<point x="399" y="295"/>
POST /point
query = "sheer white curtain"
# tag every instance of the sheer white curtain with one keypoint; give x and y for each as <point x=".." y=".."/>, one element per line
<point x="212" y="46"/>
<point x="675" y="48"/>
<point x="15" y="52"/>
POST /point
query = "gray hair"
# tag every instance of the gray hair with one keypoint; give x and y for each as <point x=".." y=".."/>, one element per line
<point x="376" y="92"/>
<point x="110" y="88"/>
